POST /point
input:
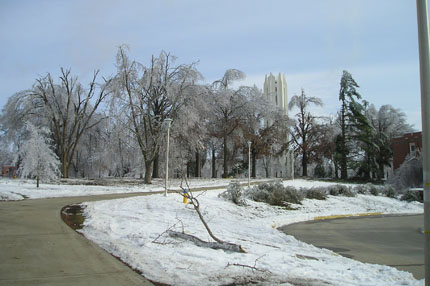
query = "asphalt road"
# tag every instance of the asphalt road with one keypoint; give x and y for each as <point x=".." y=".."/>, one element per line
<point x="391" y="240"/>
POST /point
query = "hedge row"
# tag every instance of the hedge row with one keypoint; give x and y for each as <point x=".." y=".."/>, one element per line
<point x="277" y="194"/>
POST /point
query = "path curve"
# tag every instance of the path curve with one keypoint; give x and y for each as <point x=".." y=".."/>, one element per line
<point x="38" y="248"/>
<point x="394" y="240"/>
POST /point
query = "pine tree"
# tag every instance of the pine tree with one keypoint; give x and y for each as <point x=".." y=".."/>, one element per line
<point x="347" y="95"/>
<point x="37" y="158"/>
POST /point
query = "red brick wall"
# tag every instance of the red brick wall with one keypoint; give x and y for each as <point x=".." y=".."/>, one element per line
<point x="400" y="147"/>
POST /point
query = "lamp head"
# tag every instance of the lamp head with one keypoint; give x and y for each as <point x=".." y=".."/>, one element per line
<point x="168" y="122"/>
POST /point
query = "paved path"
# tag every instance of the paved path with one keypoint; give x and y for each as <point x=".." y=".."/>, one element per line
<point x="391" y="240"/>
<point x="37" y="248"/>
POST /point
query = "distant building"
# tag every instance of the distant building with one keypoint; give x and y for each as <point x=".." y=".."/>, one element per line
<point x="275" y="92"/>
<point x="8" y="171"/>
<point x="409" y="143"/>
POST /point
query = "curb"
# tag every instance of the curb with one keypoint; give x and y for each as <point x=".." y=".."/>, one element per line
<point x="346" y="216"/>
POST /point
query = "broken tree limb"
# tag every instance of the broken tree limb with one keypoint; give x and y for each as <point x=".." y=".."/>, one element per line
<point x="214" y="245"/>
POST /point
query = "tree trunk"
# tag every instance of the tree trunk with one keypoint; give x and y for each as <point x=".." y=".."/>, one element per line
<point x="156" y="166"/>
<point x="343" y="170"/>
<point x="37" y="177"/>
<point x="305" y="164"/>
<point x="121" y="158"/>
<point x="213" y="163"/>
<point x="188" y="169"/>
<point x="343" y="160"/>
<point x="225" y="174"/>
<point x="381" y="171"/>
<point x="64" y="168"/>
<point x="198" y="167"/>
<point x="148" y="171"/>
<point x="343" y="151"/>
<point x="266" y="169"/>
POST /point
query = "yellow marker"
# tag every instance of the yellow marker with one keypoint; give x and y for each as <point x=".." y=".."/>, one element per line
<point x="427" y="231"/>
<point x="427" y="184"/>
<point x="345" y="216"/>
<point x="185" y="197"/>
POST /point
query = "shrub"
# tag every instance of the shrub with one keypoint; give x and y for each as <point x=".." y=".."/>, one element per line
<point x="340" y="190"/>
<point x="234" y="193"/>
<point x="316" y="194"/>
<point x="373" y="190"/>
<point x="276" y="194"/>
<point x="389" y="191"/>
<point x="412" y="196"/>
<point x="361" y="189"/>
<point x="409" y="175"/>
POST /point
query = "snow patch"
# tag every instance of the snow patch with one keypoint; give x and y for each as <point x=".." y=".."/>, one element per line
<point x="131" y="228"/>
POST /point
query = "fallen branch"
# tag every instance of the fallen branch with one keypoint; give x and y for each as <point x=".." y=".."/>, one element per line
<point x="196" y="204"/>
<point x="248" y="266"/>
<point x="166" y="231"/>
<point x="214" y="245"/>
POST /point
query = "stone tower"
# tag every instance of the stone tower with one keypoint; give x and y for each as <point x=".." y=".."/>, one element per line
<point x="275" y="91"/>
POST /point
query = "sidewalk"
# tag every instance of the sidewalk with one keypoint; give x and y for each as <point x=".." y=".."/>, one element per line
<point x="37" y="248"/>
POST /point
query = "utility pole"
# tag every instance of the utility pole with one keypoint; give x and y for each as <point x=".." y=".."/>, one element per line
<point x="249" y="164"/>
<point x="168" y="122"/>
<point x="424" y="51"/>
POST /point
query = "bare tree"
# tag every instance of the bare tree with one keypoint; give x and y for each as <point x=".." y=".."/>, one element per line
<point x="306" y="128"/>
<point x="149" y="95"/>
<point x="66" y="108"/>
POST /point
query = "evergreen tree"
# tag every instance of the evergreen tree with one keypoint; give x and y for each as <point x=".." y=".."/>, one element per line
<point x="347" y="95"/>
<point x="366" y="148"/>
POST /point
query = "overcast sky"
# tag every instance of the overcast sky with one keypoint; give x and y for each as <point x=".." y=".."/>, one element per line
<point x="310" y="41"/>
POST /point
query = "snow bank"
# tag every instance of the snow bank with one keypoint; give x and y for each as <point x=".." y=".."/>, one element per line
<point x="133" y="229"/>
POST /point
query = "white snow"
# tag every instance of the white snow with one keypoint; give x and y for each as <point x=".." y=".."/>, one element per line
<point x="134" y="230"/>
<point x="19" y="189"/>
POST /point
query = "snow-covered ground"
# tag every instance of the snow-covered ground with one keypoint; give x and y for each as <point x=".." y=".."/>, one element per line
<point x="134" y="229"/>
<point x="20" y="189"/>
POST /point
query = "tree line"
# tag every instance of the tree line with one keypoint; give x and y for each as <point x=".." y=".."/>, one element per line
<point x="116" y="126"/>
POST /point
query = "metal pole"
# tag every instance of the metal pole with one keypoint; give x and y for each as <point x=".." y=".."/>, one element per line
<point x="292" y="164"/>
<point x="424" y="52"/>
<point x="249" y="164"/>
<point x="168" y="122"/>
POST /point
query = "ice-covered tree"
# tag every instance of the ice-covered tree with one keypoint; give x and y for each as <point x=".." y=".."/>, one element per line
<point x="37" y="159"/>
<point x="348" y="95"/>
<point x="265" y="126"/>
<point x="306" y="130"/>
<point x="387" y="123"/>
<point x="228" y="109"/>
<point x="67" y="108"/>
<point x="147" y="95"/>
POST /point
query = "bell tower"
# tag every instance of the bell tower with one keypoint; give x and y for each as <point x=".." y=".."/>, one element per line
<point x="275" y="91"/>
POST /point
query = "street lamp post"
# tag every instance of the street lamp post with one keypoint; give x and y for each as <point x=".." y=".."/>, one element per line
<point x="292" y="164"/>
<point x="249" y="164"/>
<point x="168" y="122"/>
<point x="424" y="52"/>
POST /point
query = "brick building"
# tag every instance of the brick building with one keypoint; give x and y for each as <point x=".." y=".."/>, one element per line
<point x="409" y="143"/>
